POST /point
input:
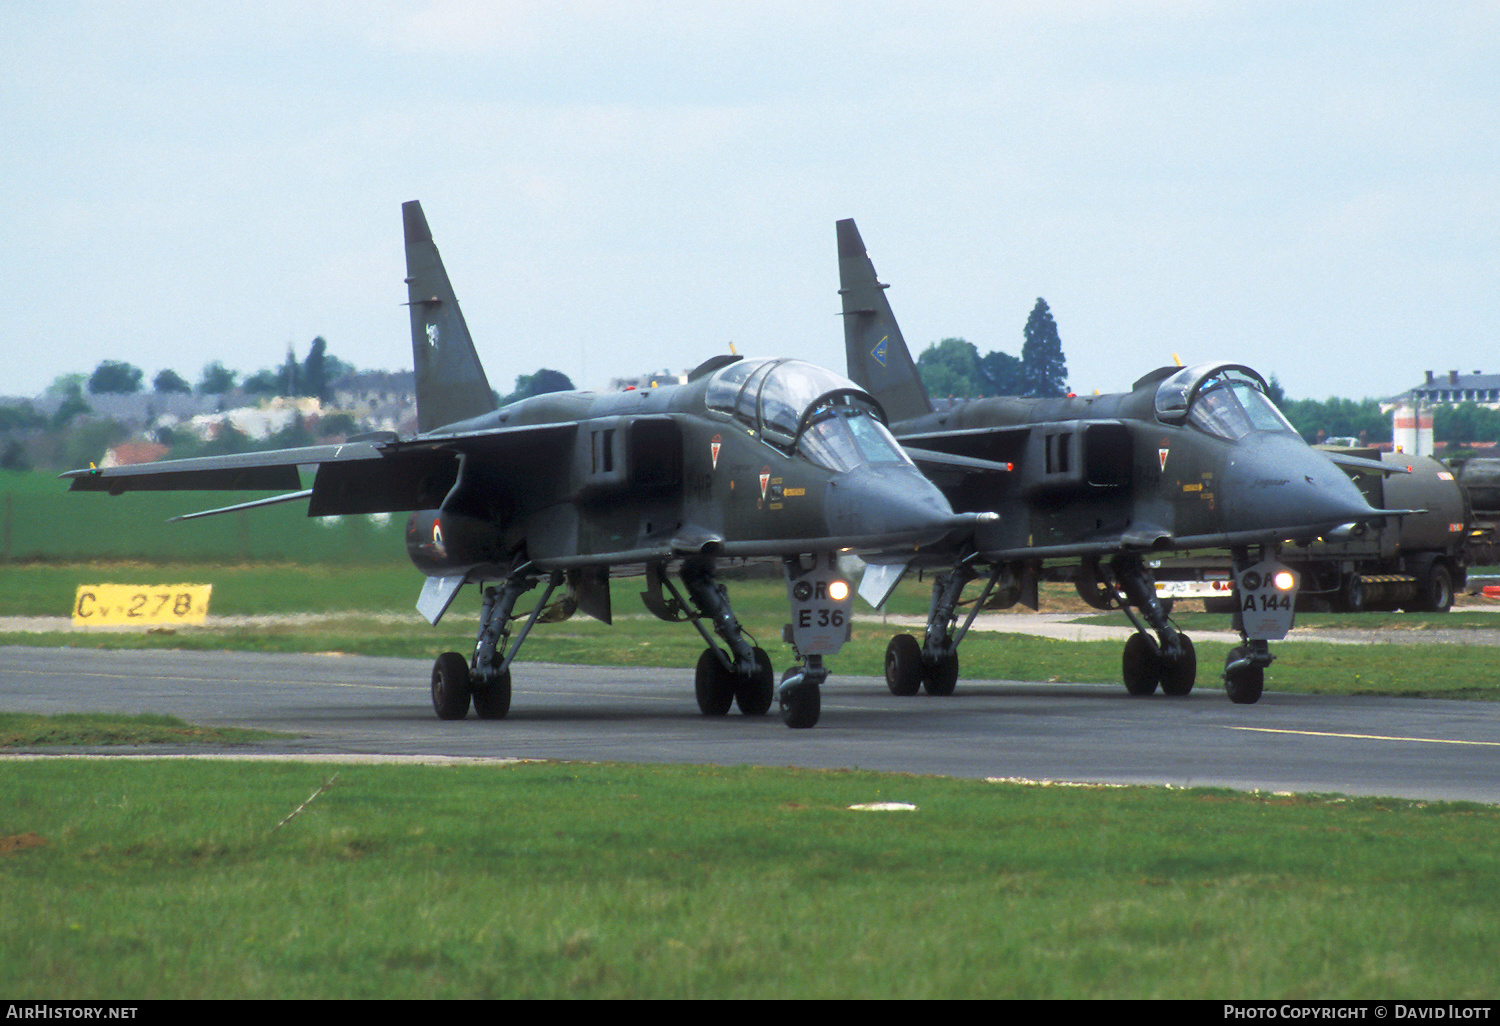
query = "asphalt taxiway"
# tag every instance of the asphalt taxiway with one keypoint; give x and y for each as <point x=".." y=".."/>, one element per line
<point x="356" y="705"/>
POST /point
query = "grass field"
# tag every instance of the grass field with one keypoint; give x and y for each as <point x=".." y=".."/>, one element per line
<point x="173" y="880"/>
<point x="129" y="879"/>
<point x="40" y="519"/>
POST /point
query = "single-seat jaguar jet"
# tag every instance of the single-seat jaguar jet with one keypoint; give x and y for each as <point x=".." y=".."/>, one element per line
<point x="749" y="458"/>
<point x="1089" y="487"/>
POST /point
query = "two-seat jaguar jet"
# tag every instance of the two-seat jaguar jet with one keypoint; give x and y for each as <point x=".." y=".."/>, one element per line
<point x="749" y="458"/>
<point x="1190" y="458"/>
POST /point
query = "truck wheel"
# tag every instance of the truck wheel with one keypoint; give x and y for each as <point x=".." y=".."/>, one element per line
<point x="1352" y="597"/>
<point x="1434" y="588"/>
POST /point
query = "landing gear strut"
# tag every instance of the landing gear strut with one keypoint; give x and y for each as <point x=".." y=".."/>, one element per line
<point x="822" y="607"/>
<point x="1265" y="597"/>
<point x="933" y="664"/>
<point x="1167" y="659"/>
<point x="736" y="672"/>
<point x="741" y="676"/>
<point x="486" y="677"/>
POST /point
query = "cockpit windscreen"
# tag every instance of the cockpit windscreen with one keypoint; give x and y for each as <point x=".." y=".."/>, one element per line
<point x="1226" y="401"/>
<point x="797" y="406"/>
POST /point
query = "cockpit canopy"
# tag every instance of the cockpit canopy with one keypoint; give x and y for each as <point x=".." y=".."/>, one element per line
<point x="799" y="407"/>
<point x="1224" y="399"/>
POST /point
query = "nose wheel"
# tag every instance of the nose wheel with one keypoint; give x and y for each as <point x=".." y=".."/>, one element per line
<point x="800" y="695"/>
<point x="1244" y="675"/>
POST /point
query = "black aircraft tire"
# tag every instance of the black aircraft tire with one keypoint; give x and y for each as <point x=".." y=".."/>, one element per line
<point x="1140" y="666"/>
<point x="492" y="701"/>
<point x="1245" y="684"/>
<point x="450" y="686"/>
<point x="940" y="680"/>
<point x="801" y="706"/>
<point x="1177" y="678"/>
<point x="754" y="694"/>
<point x="903" y="665"/>
<point x="713" y="684"/>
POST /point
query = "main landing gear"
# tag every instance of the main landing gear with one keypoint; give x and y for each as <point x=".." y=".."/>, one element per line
<point x="486" y="678"/>
<point x="741" y="676"/>
<point x="933" y="663"/>
<point x="1168" y="658"/>
<point x="736" y="672"/>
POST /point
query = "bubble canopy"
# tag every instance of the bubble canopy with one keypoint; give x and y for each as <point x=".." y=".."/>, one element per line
<point x="799" y="407"/>
<point x="1227" y="400"/>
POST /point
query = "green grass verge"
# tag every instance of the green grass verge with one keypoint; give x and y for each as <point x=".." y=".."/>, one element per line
<point x="48" y="589"/>
<point x="172" y="880"/>
<point x="29" y="730"/>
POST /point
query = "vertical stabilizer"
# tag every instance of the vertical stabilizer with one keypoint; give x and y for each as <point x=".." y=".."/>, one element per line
<point x="877" y="357"/>
<point x="451" y="385"/>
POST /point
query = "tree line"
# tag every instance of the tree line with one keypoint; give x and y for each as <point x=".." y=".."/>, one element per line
<point x="312" y="376"/>
<point x="1319" y="420"/>
<point x="953" y="367"/>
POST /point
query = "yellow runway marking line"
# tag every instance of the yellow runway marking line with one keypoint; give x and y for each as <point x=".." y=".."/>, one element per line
<point x="1370" y="737"/>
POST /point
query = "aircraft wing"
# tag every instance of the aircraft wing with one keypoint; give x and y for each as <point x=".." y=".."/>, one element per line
<point x="240" y="472"/>
<point x="1362" y="464"/>
<point x="1146" y="542"/>
<point x="367" y="476"/>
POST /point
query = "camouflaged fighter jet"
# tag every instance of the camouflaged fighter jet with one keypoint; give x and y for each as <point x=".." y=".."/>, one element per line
<point x="1088" y="487"/>
<point x="749" y="458"/>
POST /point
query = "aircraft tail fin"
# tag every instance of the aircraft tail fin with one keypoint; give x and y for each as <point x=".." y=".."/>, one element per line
<point x="451" y="384"/>
<point x="878" y="360"/>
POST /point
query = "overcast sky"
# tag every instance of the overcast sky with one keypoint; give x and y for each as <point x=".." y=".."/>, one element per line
<point x="1312" y="189"/>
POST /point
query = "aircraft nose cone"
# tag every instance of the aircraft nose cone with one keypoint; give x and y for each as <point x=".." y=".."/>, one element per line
<point x="887" y="501"/>
<point x="1277" y="481"/>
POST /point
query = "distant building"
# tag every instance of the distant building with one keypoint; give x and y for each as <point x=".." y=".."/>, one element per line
<point x="258" y="422"/>
<point x="138" y="451"/>
<point x="1454" y="388"/>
